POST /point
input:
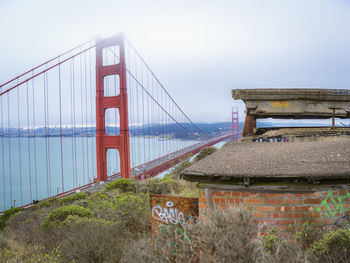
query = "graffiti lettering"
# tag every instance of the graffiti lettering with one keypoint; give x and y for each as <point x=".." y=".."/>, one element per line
<point x="279" y="104"/>
<point x="340" y="92"/>
<point x="333" y="205"/>
<point x="168" y="214"/>
<point x="271" y="139"/>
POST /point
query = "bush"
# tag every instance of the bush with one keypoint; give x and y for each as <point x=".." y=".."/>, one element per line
<point x="334" y="246"/>
<point x="123" y="184"/>
<point x="159" y="186"/>
<point x="59" y="215"/>
<point x="220" y="236"/>
<point x="72" y="198"/>
<point x="25" y="226"/>
<point x="279" y="247"/>
<point x="308" y="233"/>
<point x="204" y="153"/>
<point x="92" y="240"/>
<point x="7" y="215"/>
<point x="175" y="173"/>
<point x="134" y="210"/>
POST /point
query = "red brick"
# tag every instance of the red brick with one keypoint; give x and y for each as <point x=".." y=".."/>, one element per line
<point x="275" y="195"/>
<point x="294" y="215"/>
<point x="302" y="208"/>
<point x="289" y="196"/>
<point x="313" y="214"/>
<point x="219" y="200"/>
<point x="259" y="215"/>
<point x="284" y="209"/>
<point x="312" y="201"/>
<point x="265" y="208"/>
<point x="262" y="195"/>
<point x="299" y="195"/>
<point x="254" y="201"/>
<point x="273" y="201"/>
<point x="292" y="202"/>
<point x="218" y="194"/>
<point x="309" y="195"/>
<point x="278" y="215"/>
<point x="235" y="194"/>
<point x="202" y="200"/>
<point x="203" y="206"/>
<point x="244" y="194"/>
<point x="235" y="201"/>
<point x="285" y="222"/>
<point x="227" y="194"/>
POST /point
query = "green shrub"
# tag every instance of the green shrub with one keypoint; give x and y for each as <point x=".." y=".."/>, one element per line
<point x="334" y="246"/>
<point x="86" y="240"/>
<point x="271" y="240"/>
<point x="134" y="210"/>
<point x="159" y="186"/>
<point x="308" y="233"/>
<point x="47" y="202"/>
<point x="72" y="198"/>
<point x="59" y="215"/>
<point x="7" y="215"/>
<point x="204" y="153"/>
<point x="175" y="173"/>
<point x="220" y="236"/>
<point x="123" y="184"/>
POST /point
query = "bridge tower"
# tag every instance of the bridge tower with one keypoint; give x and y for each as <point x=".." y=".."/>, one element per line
<point x="235" y="125"/>
<point x="120" y="102"/>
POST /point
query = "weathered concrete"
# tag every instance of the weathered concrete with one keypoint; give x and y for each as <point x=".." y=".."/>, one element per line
<point x="313" y="160"/>
<point x="295" y="103"/>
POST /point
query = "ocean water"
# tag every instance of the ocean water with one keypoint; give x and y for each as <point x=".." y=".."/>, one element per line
<point x="32" y="168"/>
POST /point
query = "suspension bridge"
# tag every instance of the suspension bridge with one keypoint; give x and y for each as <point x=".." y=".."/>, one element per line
<point x="90" y="114"/>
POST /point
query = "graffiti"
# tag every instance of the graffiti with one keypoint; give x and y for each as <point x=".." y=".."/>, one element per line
<point x="279" y="104"/>
<point x="271" y="139"/>
<point x="333" y="205"/>
<point x="340" y="92"/>
<point x="180" y="236"/>
<point x="168" y="214"/>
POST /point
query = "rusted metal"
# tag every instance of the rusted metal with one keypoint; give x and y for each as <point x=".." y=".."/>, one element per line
<point x="172" y="210"/>
<point x="249" y="125"/>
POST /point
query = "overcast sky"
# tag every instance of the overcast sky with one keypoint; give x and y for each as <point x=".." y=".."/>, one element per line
<point x="200" y="50"/>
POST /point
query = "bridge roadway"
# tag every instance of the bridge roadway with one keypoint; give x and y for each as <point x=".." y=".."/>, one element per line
<point x="161" y="164"/>
<point x="154" y="167"/>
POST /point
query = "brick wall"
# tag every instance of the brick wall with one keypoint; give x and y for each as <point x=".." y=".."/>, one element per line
<point x="283" y="210"/>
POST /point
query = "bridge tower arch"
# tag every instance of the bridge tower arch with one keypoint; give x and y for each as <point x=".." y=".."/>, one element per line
<point x="120" y="101"/>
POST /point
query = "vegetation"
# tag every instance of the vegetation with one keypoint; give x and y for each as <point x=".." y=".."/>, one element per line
<point x="334" y="246"/>
<point x="7" y="215"/>
<point x="204" y="153"/>
<point x="113" y="225"/>
<point x="59" y="215"/>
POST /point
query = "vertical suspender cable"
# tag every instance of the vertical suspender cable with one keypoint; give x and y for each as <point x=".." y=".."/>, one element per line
<point x="71" y="116"/>
<point x="29" y="151"/>
<point x="19" y="150"/>
<point x="34" y="142"/>
<point x="82" y="118"/>
<point x="46" y="146"/>
<point x="60" y="113"/>
<point x="86" y="120"/>
<point x="91" y="115"/>
<point x="3" y="153"/>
